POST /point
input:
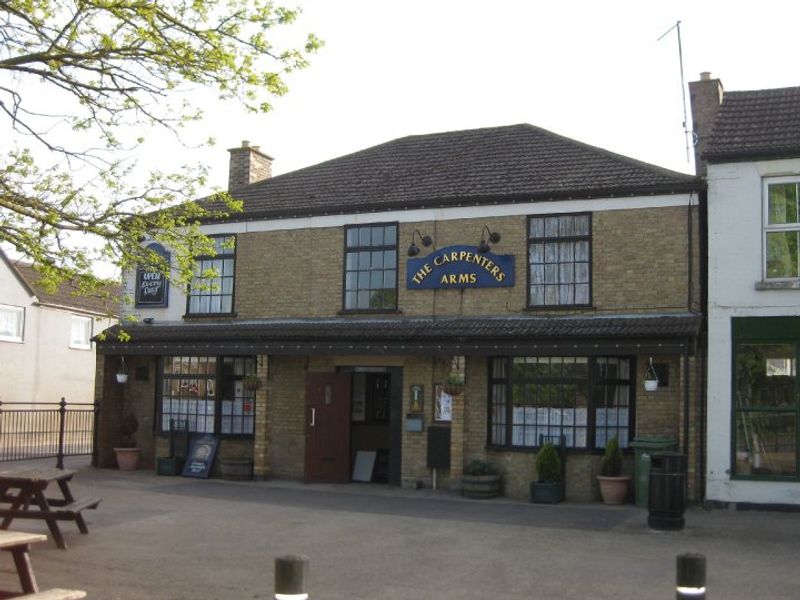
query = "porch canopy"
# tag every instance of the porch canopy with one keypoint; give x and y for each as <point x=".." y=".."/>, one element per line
<point x="673" y="333"/>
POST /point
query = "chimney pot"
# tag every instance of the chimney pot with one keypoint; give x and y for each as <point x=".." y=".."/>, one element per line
<point x="705" y="76"/>
<point x="245" y="143"/>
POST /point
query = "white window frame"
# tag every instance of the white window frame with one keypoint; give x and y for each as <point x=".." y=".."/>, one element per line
<point x="78" y="345"/>
<point x="20" y="311"/>
<point x="767" y="228"/>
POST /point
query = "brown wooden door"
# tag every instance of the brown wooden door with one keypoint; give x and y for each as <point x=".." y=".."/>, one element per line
<point x="328" y="427"/>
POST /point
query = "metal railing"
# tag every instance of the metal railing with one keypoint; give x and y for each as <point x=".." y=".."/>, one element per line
<point x="31" y="430"/>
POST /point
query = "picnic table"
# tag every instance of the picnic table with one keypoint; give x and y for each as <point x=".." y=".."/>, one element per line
<point x="24" y="489"/>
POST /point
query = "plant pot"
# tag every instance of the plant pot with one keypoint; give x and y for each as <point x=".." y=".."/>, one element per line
<point x="614" y="490"/>
<point x="236" y="469"/>
<point x="122" y="377"/>
<point x="453" y="389"/>
<point x="650" y="385"/>
<point x="546" y="492"/>
<point x="480" y="486"/>
<point x="127" y="458"/>
<point x="169" y="465"/>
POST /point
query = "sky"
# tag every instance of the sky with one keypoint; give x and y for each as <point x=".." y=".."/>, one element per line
<point x="592" y="71"/>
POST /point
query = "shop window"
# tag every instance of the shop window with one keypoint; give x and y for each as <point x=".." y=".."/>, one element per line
<point x="12" y="323"/>
<point x="587" y="400"/>
<point x="559" y="260"/>
<point x="211" y="291"/>
<point x="80" y="333"/>
<point x="210" y="392"/>
<point x="782" y="229"/>
<point x="370" y="272"/>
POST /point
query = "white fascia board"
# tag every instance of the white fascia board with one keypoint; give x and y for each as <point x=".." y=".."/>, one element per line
<point x="461" y="212"/>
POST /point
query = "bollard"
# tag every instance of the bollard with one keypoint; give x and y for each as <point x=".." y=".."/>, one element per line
<point x="290" y="577"/>
<point x="690" y="581"/>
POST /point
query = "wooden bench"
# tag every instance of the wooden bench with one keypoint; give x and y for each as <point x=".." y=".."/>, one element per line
<point x="56" y="594"/>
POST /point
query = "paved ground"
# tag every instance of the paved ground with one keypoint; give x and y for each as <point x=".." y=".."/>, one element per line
<point x="173" y="538"/>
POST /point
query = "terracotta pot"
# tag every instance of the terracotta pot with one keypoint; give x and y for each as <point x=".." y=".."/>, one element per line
<point x="127" y="458"/>
<point x="614" y="490"/>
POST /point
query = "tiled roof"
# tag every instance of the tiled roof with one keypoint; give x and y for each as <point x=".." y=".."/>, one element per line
<point x="399" y="335"/>
<point x="756" y="124"/>
<point x="478" y="166"/>
<point x="67" y="295"/>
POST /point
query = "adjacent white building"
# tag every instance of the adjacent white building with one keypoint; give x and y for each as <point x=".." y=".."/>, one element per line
<point x="750" y="144"/>
<point x="46" y="347"/>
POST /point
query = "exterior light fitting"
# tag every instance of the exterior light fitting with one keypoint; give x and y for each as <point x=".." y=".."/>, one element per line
<point x="425" y="240"/>
<point x="494" y="237"/>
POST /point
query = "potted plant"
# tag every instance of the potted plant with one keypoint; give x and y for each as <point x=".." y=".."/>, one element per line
<point x="612" y="483"/>
<point x="252" y="382"/>
<point x="549" y="487"/>
<point x="454" y="384"/>
<point x="481" y="479"/>
<point x="127" y="451"/>
<point x="122" y="373"/>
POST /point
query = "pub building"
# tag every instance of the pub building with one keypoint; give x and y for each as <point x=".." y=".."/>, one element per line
<point x="428" y="301"/>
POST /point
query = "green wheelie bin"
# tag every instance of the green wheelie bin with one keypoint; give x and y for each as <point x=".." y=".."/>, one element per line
<point x="644" y="448"/>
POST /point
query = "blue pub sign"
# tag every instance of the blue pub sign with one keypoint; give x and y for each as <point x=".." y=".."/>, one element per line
<point x="460" y="267"/>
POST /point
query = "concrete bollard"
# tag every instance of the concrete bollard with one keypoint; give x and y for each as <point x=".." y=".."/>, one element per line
<point x="690" y="580"/>
<point x="290" y="577"/>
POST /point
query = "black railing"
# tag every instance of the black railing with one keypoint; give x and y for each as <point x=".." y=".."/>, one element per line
<point x="46" y="430"/>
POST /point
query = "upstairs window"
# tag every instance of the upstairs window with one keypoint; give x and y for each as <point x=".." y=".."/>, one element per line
<point x="211" y="291"/>
<point x="80" y="334"/>
<point x="559" y="260"/>
<point x="370" y="272"/>
<point x="12" y="322"/>
<point x="782" y="229"/>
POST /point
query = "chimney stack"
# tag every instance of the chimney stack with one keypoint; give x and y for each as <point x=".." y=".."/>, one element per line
<point x="705" y="97"/>
<point x="248" y="165"/>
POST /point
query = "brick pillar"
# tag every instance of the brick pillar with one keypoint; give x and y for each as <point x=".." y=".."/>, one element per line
<point x="457" y="441"/>
<point x="261" y="445"/>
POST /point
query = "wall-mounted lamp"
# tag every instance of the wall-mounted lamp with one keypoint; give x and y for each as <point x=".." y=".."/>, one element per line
<point x="494" y="237"/>
<point x="425" y="240"/>
<point x="122" y="374"/>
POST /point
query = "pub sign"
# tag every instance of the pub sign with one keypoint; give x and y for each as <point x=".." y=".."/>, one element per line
<point x="460" y="267"/>
<point x="152" y="284"/>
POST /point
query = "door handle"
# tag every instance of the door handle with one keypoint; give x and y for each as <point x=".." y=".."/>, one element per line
<point x="313" y="416"/>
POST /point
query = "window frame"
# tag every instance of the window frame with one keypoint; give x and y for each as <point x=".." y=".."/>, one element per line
<point x="217" y="376"/>
<point x="591" y="383"/>
<point x="88" y="344"/>
<point x="766" y="228"/>
<point x="20" y="310"/>
<point x="531" y="240"/>
<point x="201" y="257"/>
<point x="763" y="331"/>
<point x="346" y="249"/>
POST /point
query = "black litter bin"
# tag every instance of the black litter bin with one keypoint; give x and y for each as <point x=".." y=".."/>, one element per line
<point x="667" y="499"/>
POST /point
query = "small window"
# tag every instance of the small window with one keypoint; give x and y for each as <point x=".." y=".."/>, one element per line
<point x="12" y="323"/>
<point x="211" y="291"/>
<point x="559" y="260"/>
<point x="782" y="229"/>
<point x="80" y="335"/>
<point x="370" y="271"/>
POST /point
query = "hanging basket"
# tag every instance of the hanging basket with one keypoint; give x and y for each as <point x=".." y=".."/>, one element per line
<point x="650" y="385"/>
<point x="650" y="378"/>
<point x="122" y="377"/>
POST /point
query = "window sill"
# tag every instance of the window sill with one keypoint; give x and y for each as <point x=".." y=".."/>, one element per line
<point x="561" y="307"/>
<point x="573" y="451"/>
<point x="367" y="311"/>
<point x="210" y="315"/>
<point x="793" y="284"/>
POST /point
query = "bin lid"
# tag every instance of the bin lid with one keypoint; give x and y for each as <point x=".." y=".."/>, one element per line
<point x="654" y="442"/>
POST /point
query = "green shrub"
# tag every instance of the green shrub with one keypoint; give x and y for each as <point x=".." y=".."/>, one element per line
<point x="480" y="467"/>
<point x="548" y="463"/>
<point x="128" y="428"/>
<point x="611" y="465"/>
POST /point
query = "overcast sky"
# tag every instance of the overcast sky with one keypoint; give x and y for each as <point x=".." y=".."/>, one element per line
<point x="593" y="71"/>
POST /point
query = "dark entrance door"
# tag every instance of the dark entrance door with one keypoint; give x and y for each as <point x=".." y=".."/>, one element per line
<point x="328" y="427"/>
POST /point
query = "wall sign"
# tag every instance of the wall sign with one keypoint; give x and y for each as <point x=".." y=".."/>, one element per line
<point x="152" y="284"/>
<point x="460" y="267"/>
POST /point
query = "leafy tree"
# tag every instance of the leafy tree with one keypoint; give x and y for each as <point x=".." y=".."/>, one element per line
<point x="83" y="80"/>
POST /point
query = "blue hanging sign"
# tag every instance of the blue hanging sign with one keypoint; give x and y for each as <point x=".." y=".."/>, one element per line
<point x="460" y="267"/>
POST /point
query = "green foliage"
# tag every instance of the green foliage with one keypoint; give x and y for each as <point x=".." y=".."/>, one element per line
<point x="611" y="465"/>
<point x="548" y="463"/>
<point x="128" y="428"/>
<point x="113" y="71"/>
<point x="476" y="466"/>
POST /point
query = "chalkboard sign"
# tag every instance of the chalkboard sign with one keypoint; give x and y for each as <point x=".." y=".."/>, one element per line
<point x="151" y="284"/>
<point x="202" y="450"/>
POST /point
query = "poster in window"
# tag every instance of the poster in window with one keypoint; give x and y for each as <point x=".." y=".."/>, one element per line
<point x="152" y="284"/>
<point x="444" y="405"/>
